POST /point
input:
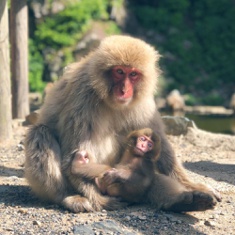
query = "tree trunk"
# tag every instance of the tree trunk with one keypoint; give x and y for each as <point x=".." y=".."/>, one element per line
<point x="5" y="87"/>
<point x="19" y="58"/>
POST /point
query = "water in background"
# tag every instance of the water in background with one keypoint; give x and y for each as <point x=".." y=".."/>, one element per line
<point x="212" y="123"/>
<point x="216" y="124"/>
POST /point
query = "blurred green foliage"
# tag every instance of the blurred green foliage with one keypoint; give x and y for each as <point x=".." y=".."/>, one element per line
<point x="35" y="68"/>
<point x="62" y="31"/>
<point x="66" y="27"/>
<point x="197" y="42"/>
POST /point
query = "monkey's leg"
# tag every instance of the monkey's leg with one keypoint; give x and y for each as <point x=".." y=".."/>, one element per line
<point x="168" y="194"/>
<point x="169" y="165"/>
<point x="97" y="200"/>
<point x="77" y="204"/>
<point x="42" y="164"/>
<point x="43" y="170"/>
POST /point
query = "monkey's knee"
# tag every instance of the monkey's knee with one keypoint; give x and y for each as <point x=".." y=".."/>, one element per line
<point x="191" y="201"/>
<point x="77" y="204"/>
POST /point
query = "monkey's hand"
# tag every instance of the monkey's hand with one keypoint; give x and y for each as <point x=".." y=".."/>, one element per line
<point x="106" y="179"/>
<point x="111" y="176"/>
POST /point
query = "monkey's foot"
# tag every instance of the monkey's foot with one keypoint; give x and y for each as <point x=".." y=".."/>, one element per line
<point x="216" y="194"/>
<point x="106" y="202"/>
<point x="77" y="204"/>
<point x="193" y="201"/>
<point x="207" y="189"/>
<point x="115" y="204"/>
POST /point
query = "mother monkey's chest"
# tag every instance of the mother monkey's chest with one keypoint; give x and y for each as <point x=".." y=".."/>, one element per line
<point x="105" y="140"/>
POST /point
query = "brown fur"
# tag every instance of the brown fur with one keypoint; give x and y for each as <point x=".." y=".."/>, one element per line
<point x="80" y="113"/>
<point x="131" y="179"/>
<point x="134" y="173"/>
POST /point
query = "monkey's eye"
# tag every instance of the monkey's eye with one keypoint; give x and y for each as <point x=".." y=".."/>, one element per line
<point x="133" y="74"/>
<point x="119" y="71"/>
<point x="150" y="145"/>
<point x="142" y="139"/>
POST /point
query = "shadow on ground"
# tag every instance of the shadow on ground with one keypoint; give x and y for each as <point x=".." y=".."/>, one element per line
<point x="8" y="171"/>
<point x="20" y="195"/>
<point x="219" y="172"/>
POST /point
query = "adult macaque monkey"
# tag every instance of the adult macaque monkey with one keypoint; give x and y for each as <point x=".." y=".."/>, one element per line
<point x="98" y="102"/>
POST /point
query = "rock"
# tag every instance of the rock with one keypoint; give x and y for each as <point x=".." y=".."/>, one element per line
<point x="20" y="147"/>
<point x="142" y="217"/>
<point x="172" y="218"/>
<point x="82" y="230"/>
<point x="175" y="100"/>
<point x="22" y="211"/>
<point x="111" y="226"/>
<point x="36" y="222"/>
<point x="210" y="223"/>
<point x="177" y="125"/>
<point x="127" y="218"/>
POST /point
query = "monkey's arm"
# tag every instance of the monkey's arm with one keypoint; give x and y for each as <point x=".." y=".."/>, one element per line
<point x="90" y="170"/>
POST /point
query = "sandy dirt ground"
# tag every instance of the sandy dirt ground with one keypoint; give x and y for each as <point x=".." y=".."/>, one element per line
<point x="208" y="158"/>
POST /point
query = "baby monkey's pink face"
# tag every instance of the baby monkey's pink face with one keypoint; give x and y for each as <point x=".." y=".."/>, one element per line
<point x="143" y="145"/>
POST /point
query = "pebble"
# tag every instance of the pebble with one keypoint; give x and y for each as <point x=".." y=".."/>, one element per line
<point x="214" y="217"/>
<point x="20" y="147"/>
<point x="210" y="223"/>
<point x="142" y="217"/>
<point x="22" y="211"/>
<point x="127" y="218"/>
<point x="36" y="222"/>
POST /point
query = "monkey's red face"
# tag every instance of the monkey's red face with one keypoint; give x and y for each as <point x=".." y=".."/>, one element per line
<point x="124" y="79"/>
<point x="143" y="145"/>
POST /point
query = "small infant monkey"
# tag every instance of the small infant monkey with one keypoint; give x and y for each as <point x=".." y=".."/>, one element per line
<point x="132" y="176"/>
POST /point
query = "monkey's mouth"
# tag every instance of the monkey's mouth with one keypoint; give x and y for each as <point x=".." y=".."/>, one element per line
<point x="138" y="151"/>
<point x="122" y="99"/>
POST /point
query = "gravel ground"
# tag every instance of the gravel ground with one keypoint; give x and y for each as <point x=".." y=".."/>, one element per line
<point x="209" y="158"/>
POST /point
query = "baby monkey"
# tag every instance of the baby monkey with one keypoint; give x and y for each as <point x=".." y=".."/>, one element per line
<point x="132" y="176"/>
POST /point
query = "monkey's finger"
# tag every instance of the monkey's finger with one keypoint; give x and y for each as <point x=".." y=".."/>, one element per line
<point x="109" y="178"/>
